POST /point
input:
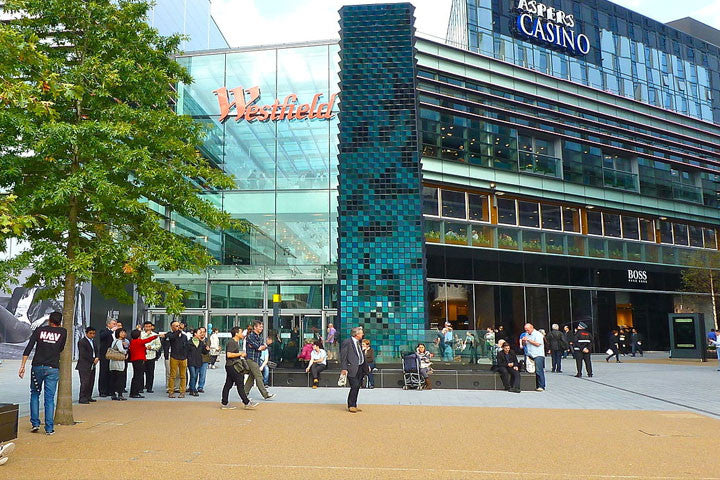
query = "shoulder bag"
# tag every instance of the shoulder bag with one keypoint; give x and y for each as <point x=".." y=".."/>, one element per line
<point x="241" y="366"/>
<point x="114" y="354"/>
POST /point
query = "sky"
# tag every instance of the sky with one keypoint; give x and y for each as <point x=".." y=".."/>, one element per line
<point x="264" y="22"/>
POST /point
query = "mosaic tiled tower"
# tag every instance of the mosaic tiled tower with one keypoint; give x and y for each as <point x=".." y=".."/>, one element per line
<point x="380" y="244"/>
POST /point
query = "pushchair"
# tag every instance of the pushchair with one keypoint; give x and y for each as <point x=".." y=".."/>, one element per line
<point x="411" y="372"/>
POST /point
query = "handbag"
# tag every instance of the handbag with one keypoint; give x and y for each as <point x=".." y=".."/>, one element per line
<point x="342" y="381"/>
<point x="609" y="351"/>
<point x="241" y="366"/>
<point x="530" y="365"/>
<point x="114" y="354"/>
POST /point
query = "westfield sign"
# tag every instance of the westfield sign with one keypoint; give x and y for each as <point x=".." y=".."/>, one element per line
<point x="247" y="107"/>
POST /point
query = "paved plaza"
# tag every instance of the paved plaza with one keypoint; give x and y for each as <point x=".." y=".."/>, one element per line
<point x="643" y="418"/>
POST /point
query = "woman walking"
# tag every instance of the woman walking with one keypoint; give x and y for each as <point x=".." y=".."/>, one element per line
<point x="613" y="351"/>
<point x="214" y="347"/>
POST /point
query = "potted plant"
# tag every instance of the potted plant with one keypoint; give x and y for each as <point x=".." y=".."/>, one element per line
<point x="480" y="240"/>
<point x="532" y="245"/>
<point x="455" y="238"/>
<point x="553" y="248"/>
<point x="596" y="252"/>
<point x="507" y="242"/>
<point x="616" y="254"/>
<point x="432" y="236"/>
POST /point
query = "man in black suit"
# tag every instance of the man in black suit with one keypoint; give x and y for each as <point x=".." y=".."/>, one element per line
<point x="507" y="364"/>
<point x="87" y="359"/>
<point x="353" y="364"/>
<point x="106" y="337"/>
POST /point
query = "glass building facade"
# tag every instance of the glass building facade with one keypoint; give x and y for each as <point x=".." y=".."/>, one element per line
<point x="554" y="186"/>
<point x="187" y="17"/>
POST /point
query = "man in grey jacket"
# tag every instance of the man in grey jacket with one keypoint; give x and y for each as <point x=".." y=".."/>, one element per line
<point x="353" y="364"/>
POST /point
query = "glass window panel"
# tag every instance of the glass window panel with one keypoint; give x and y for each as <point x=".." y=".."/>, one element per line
<point x="529" y="214"/>
<point x="478" y="207"/>
<point x="611" y="222"/>
<point x="647" y="231"/>
<point x="297" y="295"/>
<point x="303" y="227"/>
<point x="696" y="236"/>
<point x="571" y="219"/>
<point x="430" y="201"/>
<point x="195" y="292"/>
<point x="536" y="304"/>
<point x="709" y="235"/>
<point x="680" y="232"/>
<point x="666" y="232"/>
<point x="257" y="245"/>
<point x="197" y="98"/>
<point x="630" y="227"/>
<point x="453" y="204"/>
<point x="594" y="222"/>
<point x="506" y="211"/>
<point x="236" y="295"/>
<point x="551" y="217"/>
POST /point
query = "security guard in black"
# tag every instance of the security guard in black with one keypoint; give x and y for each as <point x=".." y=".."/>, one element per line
<point x="582" y="347"/>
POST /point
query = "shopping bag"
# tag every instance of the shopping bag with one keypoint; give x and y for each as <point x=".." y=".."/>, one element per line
<point x="342" y="381"/>
<point x="609" y="351"/>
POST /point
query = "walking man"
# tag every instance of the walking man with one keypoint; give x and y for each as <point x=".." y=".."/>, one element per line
<point x="105" y="337"/>
<point x="582" y="347"/>
<point x="352" y="363"/>
<point x="50" y="341"/>
<point x="151" y="354"/>
<point x="254" y="346"/>
<point x="535" y="345"/>
<point x="87" y="359"/>
<point x="232" y="376"/>
<point x="557" y="346"/>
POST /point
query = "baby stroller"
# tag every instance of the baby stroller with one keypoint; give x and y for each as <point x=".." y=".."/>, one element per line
<point x="411" y="372"/>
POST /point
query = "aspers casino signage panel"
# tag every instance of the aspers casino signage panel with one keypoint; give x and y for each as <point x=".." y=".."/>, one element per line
<point x="549" y="27"/>
<point x="248" y="108"/>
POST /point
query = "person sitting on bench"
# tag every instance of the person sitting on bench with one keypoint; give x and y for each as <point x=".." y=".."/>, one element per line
<point x="507" y="364"/>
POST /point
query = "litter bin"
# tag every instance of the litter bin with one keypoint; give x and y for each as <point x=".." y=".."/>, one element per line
<point x="8" y="421"/>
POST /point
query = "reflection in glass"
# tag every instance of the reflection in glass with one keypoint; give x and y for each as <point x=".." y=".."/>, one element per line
<point x="506" y="211"/>
<point x="478" y="207"/>
<point x="709" y="235"/>
<point x="529" y="214"/>
<point x="666" y="231"/>
<point x="551" y="217"/>
<point x="594" y="223"/>
<point x="630" y="227"/>
<point x="571" y="219"/>
<point x="696" y="236"/>
<point x="430" y="201"/>
<point x="303" y="227"/>
<point x="437" y="303"/>
<point x="236" y="295"/>
<point x="611" y="224"/>
<point x="647" y="230"/>
<point x="453" y="204"/>
<point x="680" y="232"/>
<point x="537" y="308"/>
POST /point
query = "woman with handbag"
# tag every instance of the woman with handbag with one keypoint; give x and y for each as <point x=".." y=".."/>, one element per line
<point x="117" y="354"/>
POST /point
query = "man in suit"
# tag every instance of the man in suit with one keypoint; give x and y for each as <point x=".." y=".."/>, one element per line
<point x="507" y="364"/>
<point x="87" y="359"/>
<point x="353" y="364"/>
<point x="106" y="337"/>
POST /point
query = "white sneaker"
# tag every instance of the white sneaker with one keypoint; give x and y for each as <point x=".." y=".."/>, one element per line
<point x="539" y="389"/>
<point x="227" y="407"/>
<point x="3" y="460"/>
<point x="7" y="449"/>
<point x="251" y="405"/>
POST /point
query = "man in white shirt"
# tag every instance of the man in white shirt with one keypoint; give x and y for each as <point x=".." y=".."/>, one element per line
<point x="535" y="345"/>
<point x="151" y="355"/>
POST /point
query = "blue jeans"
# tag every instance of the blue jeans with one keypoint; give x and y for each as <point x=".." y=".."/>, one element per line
<point x="266" y="375"/>
<point x="194" y="371"/>
<point x="202" y="373"/>
<point x="539" y="371"/>
<point x="49" y="376"/>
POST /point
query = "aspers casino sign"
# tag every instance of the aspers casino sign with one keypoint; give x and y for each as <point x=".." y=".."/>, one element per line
<point x="549" y="27"/>
<point x="247" y="106"/>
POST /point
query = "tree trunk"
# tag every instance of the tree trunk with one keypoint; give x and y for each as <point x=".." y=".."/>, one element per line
<point x="714" y="304"/>
<point x="64" y="410"/>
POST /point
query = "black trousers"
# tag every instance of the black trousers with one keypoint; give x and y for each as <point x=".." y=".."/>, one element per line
<point x="557" y="360"/>
<point x="149" y="374"/>
<point x="117" y="383"/>
<point x="87" y="383"/>
<point x="510" y="377"/>
<point x="138" y="376"/>
<point x="104" y="387"/>
<point x="614" y="354"/>
<point x="355" y="383"/>
<point x="581" y="357"/>
<point x="233" y="378"/>
<point x="316" y="369"/>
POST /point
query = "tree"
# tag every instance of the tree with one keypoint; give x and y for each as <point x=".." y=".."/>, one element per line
<point x="104" y="153"/>
<point x="704" y="276"/>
